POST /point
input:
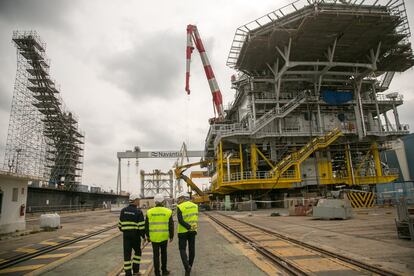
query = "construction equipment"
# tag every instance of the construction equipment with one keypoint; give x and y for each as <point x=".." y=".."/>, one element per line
<point x="201" y="196"/>
<point x="193" y="35"/>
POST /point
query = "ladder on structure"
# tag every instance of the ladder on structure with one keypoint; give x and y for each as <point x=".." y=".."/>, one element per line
<point x="279" y="112"/>
<point x="299" y="156"/>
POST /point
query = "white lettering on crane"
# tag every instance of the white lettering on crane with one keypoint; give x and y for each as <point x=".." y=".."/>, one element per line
<point x="163" y="154"/>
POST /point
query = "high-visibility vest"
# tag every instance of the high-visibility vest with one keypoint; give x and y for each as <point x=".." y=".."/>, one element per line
<point x="158" y="219"/>
<point x="189" y="212"/>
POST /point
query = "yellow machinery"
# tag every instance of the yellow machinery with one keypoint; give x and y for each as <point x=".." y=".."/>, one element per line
<point x="200" y="197"/>
<point x="230" y="175"/>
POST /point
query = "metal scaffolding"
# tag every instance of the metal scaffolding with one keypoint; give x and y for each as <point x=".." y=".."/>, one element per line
<point x="43" y="138"/>
<point x="157" y="182"/>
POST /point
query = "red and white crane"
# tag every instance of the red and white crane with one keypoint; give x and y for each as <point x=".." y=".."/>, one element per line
<point x="193" y="35"/>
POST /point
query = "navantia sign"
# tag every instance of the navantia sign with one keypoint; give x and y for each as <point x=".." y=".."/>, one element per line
<point x="165" y="154"/>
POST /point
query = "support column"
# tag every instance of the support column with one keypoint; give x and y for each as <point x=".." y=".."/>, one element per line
<point x="252" y="99"/>
<point x="241" y="161"/>
<point x="387" y="122"/>
<point x="320" y="124"/>
<point x="359" y="114"/>
<point x="349" y="166"/>
<point x="220" y="163"/>
<point x="142" y="172"/>
<point x="118" y="184"/>
<point x="273" y="152"/>
<point x="377" y="160"/>
<point x="374" y="94"/>
<point x="253" y="159"/>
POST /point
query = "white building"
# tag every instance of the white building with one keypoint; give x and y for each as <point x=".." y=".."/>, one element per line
<point x="13" y="196"/>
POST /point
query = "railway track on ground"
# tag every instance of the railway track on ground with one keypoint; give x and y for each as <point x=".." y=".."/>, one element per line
<point x="294" y="257"/>
<point x="8" y="263"/>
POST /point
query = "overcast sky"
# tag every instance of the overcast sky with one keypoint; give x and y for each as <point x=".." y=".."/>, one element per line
<point x="121" y="66"/>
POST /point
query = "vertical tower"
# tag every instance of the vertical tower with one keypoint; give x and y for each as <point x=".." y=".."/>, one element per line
<point x="43" y="138"/>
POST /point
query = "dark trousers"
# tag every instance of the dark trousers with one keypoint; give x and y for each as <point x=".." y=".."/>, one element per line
<point x="156" y="248"/>
<point x="183" y="239"/>
<point x="132" y="240"/>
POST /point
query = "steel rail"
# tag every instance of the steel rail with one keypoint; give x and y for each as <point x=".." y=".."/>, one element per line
<point x="343" y="258"/>
<point x="280" y="262"/>
<point x="25" y="257"/>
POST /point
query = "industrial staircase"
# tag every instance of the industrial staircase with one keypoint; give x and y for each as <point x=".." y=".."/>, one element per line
<point x="279" y="112"/>
<point x="299" y="156"/>
<point x="386" y="80"/>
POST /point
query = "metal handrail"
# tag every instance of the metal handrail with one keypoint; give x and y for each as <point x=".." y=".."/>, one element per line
<point x="396" y="7"/>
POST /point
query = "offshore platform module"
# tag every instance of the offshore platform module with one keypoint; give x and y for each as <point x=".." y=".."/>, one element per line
<point x="311" y="105"/>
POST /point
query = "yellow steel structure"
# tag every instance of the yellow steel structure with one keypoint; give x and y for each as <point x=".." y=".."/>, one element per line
<point x="231" y="176"/>
<point x="200" y="197"/>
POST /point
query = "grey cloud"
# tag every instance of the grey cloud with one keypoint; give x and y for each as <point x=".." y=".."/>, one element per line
<point x="40" y="12"/>
<point x="100" y="134"/>
<point x="103" y="160"/>
<point x="152" y="68"/>
<point x="155" y="135"/>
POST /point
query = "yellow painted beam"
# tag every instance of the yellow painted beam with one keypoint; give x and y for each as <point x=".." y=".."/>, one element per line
<point x="51" y="256"/>
<point x="348" y="164"/>
<point x="253" y="159"/>
<point x="241" y="160"/>
<point x="377" y="160"/>
<point x="21" y="268"/>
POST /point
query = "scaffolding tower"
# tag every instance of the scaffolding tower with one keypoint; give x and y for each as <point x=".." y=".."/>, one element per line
<point x="157" y="182"/>
<point x="43" y="139"/>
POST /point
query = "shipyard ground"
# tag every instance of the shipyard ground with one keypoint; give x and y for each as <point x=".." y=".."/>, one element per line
<point x="369" y="237"/>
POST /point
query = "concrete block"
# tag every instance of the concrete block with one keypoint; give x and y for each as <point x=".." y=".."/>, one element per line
<point x="332" y="209"/>
<point x="50" y="221"/>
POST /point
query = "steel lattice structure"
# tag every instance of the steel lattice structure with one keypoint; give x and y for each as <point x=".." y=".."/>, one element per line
<point x="43" y="140"/>
<point x="157" y="182"/>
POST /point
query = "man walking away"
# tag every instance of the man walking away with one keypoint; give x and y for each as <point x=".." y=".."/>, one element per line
<point x="187" y="215"/>
<point x="131" y="223"/>
<point x="159" y="227"/>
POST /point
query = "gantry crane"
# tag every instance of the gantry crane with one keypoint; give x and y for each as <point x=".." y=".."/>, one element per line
<point x="193" y="35"/>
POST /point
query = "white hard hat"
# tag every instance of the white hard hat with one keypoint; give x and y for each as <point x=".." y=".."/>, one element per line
<point x="158" y="198"/>
<point x="183" y="194"/>
<point x="133" y="197"/>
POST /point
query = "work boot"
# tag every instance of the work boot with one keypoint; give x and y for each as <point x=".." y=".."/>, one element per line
<point x="165" y="272"/>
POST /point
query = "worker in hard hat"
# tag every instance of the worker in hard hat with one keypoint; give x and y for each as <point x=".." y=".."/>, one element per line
<point x="187" y="216"/>
<point x="131" y="223"/>
<point x="159" y="228"/>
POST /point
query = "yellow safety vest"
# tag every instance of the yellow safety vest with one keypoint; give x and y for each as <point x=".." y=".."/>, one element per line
<point x="158" y="218"/>
<point x="189" y="212"/>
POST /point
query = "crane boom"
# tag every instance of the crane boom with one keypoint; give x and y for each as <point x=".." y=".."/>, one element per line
<point x="193" y="35"/>
<point x="179" y="170"/>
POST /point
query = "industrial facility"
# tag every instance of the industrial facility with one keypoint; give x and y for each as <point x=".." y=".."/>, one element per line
<point x="312" y="106"/>
<point x="307" y="170"/>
